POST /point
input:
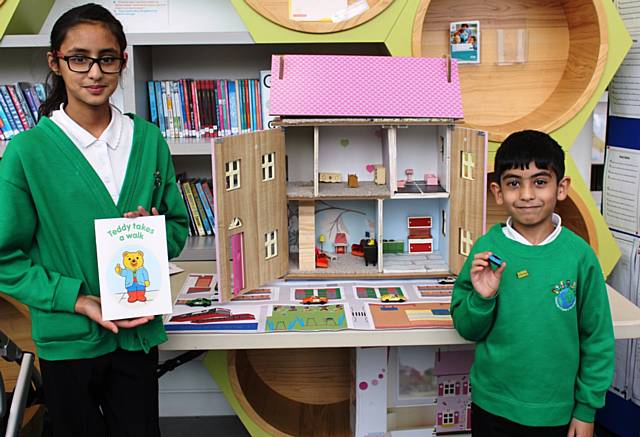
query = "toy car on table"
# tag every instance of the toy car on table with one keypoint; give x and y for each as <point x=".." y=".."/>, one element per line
<point x="313" y="300"/>
<point x="392" y="298"/>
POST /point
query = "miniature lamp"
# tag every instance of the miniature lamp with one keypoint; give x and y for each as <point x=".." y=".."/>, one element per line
<point x="409" y="173"/>
<point x="322" y="239"/>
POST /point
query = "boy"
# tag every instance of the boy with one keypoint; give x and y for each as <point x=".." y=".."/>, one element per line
<point x="541" y="320"/>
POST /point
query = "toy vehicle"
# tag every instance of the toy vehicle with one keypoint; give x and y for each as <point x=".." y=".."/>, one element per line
<point x="447" y="280"/>
<point x="495" y="260"/>
<point x="311" y="300"/>
<point x="199" y="302"/>
<point x="392" y="298"/>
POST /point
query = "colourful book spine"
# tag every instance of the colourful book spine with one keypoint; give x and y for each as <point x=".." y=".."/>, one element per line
<point x="192" y="223"/>
<point x="219" y="107"/>
<point x="205" y="204"/>
<point x="18" y="106"/>
<point x="25" y="87"/>
<point x="203" y="215"/>
<point x="10" y="109"/>
<point x="166" y="107"/>
<point x="22" y="101"/>
<point x="177" y="106"/>
<point x="213" y="102"/>
<point x="194" y="208"/>
<point x="153" y="111"/>
<point x="208" y="193"/>
<point x="233" y="106"/>
<point x="196" y="108"/>
<point x="256" y="90"/>
<point x="7" y="128"/>
<point x="252" y="104"/>
<point x="160" y="108"/>
<point x="184" y="106"/>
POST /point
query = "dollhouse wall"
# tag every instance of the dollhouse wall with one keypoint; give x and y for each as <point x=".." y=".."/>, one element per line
<point x="348" y="150"/>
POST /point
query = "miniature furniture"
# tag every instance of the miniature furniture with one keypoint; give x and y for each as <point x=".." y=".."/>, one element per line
<point x="420" y="240"/>
<point x="352" y="181"/>
<point x="340" y="244"/>
<point x="379" y="175"/>
<point x="392" y="246"/>
<point x="330" y="177"/>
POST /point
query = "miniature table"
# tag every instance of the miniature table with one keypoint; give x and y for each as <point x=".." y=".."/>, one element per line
<point x="307" y="374"/>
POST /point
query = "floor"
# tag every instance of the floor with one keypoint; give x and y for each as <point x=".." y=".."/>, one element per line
<point x="227" y="426"/>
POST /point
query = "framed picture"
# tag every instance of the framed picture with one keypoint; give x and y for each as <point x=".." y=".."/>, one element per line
<point x="411" y="379"/>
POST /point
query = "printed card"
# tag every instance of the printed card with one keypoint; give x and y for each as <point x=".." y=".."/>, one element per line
<point x="464" y="40"/>
<point x="133" y="267"/>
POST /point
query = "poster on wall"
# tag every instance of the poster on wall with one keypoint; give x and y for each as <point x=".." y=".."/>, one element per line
<point x="621" y="189"/>
<point x="624" y="90"/>
<point x="464" y="41"/>
<point x="133" y="267"/>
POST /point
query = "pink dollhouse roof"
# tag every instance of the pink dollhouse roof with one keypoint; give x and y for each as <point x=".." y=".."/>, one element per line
<point x="364" y="86"/>
<point x="453" y="362"/>
<point x="341" y="238"/>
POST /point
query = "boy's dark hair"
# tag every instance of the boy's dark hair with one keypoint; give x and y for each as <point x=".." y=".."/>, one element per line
<point x="522" y="148"/>
<point x="88" y="13"/>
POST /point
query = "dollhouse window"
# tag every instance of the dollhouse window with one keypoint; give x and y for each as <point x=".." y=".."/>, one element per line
<point x="270" y="244"/>
<point x="447" y="418"/>
<point x="268" y="166"/>
<point x="232" y="174"/>
<point x="449" y="389"/>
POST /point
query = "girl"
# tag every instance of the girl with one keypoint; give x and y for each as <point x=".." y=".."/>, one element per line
<point x="84" y="161"/>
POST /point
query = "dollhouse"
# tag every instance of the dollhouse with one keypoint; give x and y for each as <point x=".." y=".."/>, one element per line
<point x="453" y="406"/>
<point x="390" y="123"/>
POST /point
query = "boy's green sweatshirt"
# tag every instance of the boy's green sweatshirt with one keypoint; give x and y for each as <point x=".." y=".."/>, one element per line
<point x="545" y="345"/>
<point x="49" y="197"/>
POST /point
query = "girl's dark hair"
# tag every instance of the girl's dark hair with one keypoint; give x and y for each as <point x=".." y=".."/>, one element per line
<point x="89" y="13"/>
<point x="522" y="148"/>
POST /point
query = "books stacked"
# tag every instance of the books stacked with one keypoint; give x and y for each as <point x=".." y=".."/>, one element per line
<point x="19" y="105"/>
<point x="198" y="198"/>
<point x="189" y="108"/>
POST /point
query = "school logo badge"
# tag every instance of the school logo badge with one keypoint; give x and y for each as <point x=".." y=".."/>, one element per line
<point x="565" y="293"/>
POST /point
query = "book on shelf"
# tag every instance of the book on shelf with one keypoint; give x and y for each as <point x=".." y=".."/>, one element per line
<point x="265" y="90"/>
<point x="200" y="108"/>
<point x="19" y="104"/>
<point x="198" y="198"/>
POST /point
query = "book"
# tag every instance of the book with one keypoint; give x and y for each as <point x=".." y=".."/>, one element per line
<point x="193" y="208"/>
<point x="464" y="41"/>
<point x="153" y="108"/>
<point x="133" y="267"/>
<point x="265" y="89"/>
<point x="205" y="205"/>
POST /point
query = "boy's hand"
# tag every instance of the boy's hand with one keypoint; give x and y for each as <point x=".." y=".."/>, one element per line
<point x="578" y="428"/>
<point x="90" y="306"/>
<point x="141" y="212"/>
<point x="485" y="280"/>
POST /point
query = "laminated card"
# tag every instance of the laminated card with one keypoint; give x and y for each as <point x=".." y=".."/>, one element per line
<point x="133" y="267"/>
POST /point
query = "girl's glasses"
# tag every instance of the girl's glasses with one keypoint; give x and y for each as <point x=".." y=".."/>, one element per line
<point x="82" y="63"/>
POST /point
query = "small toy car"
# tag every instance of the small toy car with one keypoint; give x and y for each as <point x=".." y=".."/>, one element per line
<point x="495" y="260"/>
<point x="392" y="298"/>
<point x="199" y="302"/>
<point x="312" y="300"/>
<point x="447" y="280"/>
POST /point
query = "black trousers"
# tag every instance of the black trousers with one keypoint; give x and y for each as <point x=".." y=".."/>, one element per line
<point x="485" y="424"/>
<point x="115" y="395"/>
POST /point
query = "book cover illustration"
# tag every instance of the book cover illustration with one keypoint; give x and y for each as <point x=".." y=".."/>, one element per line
<point x="133" y="267"/>
<point x="464" y="41"/>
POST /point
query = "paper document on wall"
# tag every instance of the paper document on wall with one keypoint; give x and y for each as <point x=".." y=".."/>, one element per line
<point x="624" y="90"/>
<point x="621" y="189"/>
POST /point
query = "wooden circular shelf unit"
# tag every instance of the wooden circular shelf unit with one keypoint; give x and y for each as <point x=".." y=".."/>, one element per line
<point x="277" y="11"/>
<point x="292" y="392"/>
<point x="567" y="51"/>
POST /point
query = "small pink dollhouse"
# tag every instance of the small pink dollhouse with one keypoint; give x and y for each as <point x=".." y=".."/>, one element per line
<point x="453" y="408"/>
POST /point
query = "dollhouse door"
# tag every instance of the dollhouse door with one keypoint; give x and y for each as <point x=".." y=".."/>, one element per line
<point x="237" y="260"/>
<point x="250" y="202"/>
<point x="468" y="193"/>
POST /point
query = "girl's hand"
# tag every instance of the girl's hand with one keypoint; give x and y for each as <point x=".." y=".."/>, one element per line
<point x="141" y="212"/>
<point x="485" y="280"/>
<point x="578" y="428"/>
<point x="90" y="306"/>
